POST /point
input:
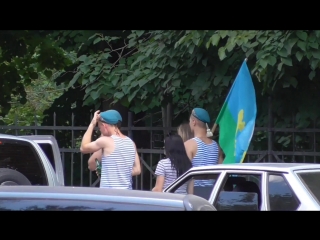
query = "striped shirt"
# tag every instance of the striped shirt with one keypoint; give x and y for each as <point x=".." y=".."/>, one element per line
<point x="207" y="154"/>
<point x="116" y="168"/>
<point x="170" y="175"/>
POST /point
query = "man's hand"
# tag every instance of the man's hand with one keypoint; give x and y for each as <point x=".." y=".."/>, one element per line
<point x="86" y="145"/>
<point x="95" y="118"/>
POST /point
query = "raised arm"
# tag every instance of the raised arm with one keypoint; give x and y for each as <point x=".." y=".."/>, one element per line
<point x="86" y="145"/>
<point x="91" y="147"/>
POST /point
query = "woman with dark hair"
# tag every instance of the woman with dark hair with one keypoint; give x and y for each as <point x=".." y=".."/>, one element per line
<point x="176" y="164"/>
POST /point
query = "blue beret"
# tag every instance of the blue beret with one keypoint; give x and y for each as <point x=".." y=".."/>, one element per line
<point x="111" y="116"/>
<point x="202" y="115"/>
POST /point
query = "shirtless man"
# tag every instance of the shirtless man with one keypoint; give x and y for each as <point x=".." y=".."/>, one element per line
<point x="118" y="152"/>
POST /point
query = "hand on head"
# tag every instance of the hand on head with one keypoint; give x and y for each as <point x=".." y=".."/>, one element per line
<point x="96" y="117"/>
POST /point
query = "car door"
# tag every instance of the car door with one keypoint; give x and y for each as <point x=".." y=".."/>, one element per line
<point x="24" y="159"/>
<point x="42" y="204"/>
<point x="50" y="148"/>
<point x="279" y="194"/>
<point x="246" y="188"/>
<point x="184" y="185"/>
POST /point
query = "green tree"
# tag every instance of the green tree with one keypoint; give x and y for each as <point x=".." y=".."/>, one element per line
<point x="146" y="70"/>
<point x="152" y="69"/>
<point x="40" y="94"/>
<point x="23" y="55"/>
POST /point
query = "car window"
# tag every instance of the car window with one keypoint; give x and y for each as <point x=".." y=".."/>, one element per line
<point x="237" y="201"/>
<point x="21" y="157"/>
<point x="197" y="184"/>
<point x="311" y="180"/>
<point x="241" y="191"/>
<point x="76" y="205"/>
<point x="47" y="149"/>
<point x="280" y="195"/>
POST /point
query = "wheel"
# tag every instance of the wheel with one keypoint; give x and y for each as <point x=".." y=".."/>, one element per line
<point x="9" y="177"/>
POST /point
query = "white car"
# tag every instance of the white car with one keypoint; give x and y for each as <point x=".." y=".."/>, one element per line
<point x="256" y="186"/>
<point x="30" y="160"/>
<point x="60" y="198"/>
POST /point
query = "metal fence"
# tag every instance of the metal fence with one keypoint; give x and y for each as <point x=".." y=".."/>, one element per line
<point x="75" y="163"/>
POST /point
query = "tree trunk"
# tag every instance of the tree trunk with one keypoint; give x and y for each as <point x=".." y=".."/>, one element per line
<point x="167" y="118"/>
<point x="164" y="120"/>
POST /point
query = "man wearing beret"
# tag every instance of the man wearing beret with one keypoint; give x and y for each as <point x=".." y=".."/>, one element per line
<point x="92" y="164"/>
<point x="202" y="150"/>
<point x="119" y="154"/>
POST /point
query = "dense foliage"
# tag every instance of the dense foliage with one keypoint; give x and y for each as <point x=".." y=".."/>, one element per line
<point x="146" y="70"/>
<point x="24" y="55"/>
<point x="40" y="94"/>
<point x="149" y="69"/>
<point x="156" y="72"/>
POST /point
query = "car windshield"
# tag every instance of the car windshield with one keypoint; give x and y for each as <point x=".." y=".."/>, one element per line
<point x="311" y="180"/>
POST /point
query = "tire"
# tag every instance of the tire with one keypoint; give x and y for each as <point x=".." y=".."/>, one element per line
<point x="9" y="177"/>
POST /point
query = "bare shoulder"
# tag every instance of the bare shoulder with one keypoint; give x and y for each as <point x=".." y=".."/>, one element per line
<point x="191" y="148"/>
<point x="104" y="140"/>
<point x="190" y="142"/>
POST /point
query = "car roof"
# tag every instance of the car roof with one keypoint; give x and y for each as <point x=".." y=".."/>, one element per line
<point x="12" y="137"/>
<point x="7" y="135"/>
<point x="275" y="167"/>
<point x="94" y="194"/>
<point x="37" y="137"/>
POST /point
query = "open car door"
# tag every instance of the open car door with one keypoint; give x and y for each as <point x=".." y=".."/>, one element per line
<point x="50" y="147"/>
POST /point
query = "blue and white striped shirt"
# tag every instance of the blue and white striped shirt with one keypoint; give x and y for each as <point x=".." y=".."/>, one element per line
<point x="116" y="168"/>
<point x="165" y="169"/>
<point x="207" y="154"/>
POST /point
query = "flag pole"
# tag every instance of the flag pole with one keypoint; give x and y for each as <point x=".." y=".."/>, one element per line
<point x="214" y="128"/>
<point x="215" y="125"/>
